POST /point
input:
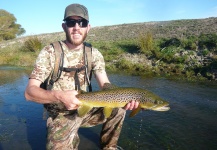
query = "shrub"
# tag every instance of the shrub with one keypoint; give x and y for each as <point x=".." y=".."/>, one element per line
<point x="145" y="43"/>
<point x="33" y="44"/>
<point x="124" y="64"/>
<point x="205" y="52"/>
<point x="190" y="43"/>
<point x="170" y="42"/>
<point x="208" y="41"/>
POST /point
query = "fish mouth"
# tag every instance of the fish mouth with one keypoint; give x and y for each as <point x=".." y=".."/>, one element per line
<point x="163" y="108"/>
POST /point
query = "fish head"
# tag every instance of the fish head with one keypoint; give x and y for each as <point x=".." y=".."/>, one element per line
<point x="154" y="102"/>
<point x="160" y="106"/>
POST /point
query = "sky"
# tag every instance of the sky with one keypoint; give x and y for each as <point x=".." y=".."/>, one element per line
<point x="45" y="16"/>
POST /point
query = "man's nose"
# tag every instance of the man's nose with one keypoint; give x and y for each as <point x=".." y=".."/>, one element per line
<point x="77" y="26"/>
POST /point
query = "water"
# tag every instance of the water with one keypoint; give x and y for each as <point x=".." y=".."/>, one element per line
<point x="189" y="124"/>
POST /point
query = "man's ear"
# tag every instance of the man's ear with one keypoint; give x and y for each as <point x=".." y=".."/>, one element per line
<point x="64" y="26"/>
<point x="88" y="28"/>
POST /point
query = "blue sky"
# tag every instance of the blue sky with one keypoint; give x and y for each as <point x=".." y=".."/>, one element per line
<point x="45" y="16"/>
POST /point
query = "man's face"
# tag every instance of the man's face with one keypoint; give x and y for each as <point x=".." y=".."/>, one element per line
<point x="76" y="30"/>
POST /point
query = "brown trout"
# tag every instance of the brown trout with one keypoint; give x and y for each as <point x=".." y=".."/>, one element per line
<point x="115" y="97"/>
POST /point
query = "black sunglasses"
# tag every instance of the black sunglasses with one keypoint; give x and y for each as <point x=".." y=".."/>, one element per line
<point x="72" y="22"/>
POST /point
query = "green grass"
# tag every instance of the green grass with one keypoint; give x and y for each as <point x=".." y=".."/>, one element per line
<point x="120" y="43"/>
<point x="15" y="55"/>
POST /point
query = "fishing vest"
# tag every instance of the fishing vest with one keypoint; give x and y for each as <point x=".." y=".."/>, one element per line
<point x="86" y="68"/>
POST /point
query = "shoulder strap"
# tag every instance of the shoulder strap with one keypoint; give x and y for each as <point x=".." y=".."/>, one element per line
<point x="59" y="60"/>
<point x="88" y="62"/>
<point x="88" y="49"/>
<point x="59" y="57"/>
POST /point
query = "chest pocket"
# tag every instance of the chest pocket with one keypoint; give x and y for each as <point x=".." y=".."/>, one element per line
<point x="78" y="73"/>
<point x="84" y="67"/>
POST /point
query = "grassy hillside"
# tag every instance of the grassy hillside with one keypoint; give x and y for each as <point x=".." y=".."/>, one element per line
<point x="122" y="51"/>
<point x="160" y="29"/>
<point x="166" y="29"/>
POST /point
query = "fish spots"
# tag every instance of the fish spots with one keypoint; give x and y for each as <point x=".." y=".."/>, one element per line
<point x="119" y="97"/>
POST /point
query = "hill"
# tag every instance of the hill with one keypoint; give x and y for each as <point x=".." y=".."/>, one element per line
<point x="119" y="47"/>
<point x="166" y="29"/>
<point x="160" y="29"/>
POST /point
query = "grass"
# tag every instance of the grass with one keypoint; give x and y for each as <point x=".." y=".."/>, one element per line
<point x="121" y="49"/>
<point x="120" y="56"/>
<point x="13" y="55"/>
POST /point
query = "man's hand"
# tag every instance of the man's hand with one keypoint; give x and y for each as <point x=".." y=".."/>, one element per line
<point x="69" y="99"/>
<point x="36" y="94"/>
<point x="131" y="105"/>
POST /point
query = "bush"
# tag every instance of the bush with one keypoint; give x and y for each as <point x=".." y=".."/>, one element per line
<point x="208" y="41"/>
<point x="33" y="44"/>
<point x="145" y="43"/>
<point x="124" y="64"/>
<point x="170" y="42"/>
<point x="190" y="43"/>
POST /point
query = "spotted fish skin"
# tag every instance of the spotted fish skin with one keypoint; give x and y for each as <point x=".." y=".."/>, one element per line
<point x="119" y="97"/>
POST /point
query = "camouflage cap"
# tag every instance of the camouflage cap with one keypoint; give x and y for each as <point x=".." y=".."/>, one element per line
<point x="76" y="10"/>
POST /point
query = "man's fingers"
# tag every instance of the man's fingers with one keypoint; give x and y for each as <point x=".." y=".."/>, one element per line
<point x="136" y="104"/>
<point x="72" y="107"/>
<point x="132" y="103"/>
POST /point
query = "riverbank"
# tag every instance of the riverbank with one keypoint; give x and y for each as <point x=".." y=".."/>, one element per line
<point x="120" y="56"/>
<point x="143" y="49"/>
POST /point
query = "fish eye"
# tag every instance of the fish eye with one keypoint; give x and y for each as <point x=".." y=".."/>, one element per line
<point x="155" y="102"/>
<point x="158" y="102"/>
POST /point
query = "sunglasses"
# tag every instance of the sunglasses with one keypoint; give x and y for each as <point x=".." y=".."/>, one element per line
<point x="72" y="22"/>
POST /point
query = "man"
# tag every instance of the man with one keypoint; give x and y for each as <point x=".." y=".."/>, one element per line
<point x="63" y="121"/>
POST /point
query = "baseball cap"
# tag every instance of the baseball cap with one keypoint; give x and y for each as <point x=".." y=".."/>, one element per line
<point x="76" y="10"/>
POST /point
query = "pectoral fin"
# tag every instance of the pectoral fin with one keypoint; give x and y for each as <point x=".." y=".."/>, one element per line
<point x="134" y="112"/>
<point x="107" y="111"/>
<point x="83" y="110"/>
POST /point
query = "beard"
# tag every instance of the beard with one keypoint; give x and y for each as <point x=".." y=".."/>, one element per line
<point x="75" y="41"/>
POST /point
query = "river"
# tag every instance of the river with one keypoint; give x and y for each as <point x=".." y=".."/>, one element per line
<point x="191" y="123"/>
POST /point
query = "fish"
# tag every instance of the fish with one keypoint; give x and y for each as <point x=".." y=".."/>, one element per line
<point x="111" y="97"/>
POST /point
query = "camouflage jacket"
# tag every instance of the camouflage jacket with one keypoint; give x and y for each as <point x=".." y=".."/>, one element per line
<point x="72" y="59"/>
